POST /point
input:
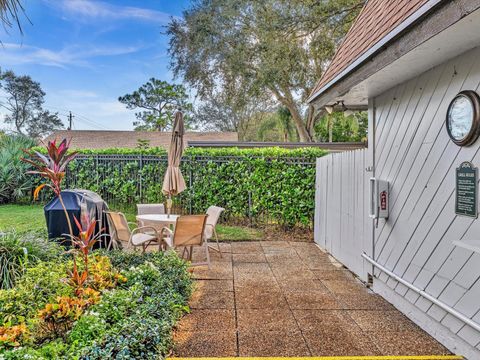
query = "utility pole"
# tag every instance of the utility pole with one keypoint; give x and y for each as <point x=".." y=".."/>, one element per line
<point x="70" y="120"/>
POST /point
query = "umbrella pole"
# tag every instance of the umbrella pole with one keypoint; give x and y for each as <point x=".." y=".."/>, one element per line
<point x="169" y="205"/>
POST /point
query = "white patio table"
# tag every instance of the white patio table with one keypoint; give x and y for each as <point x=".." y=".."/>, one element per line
<point x="158" y="221"/>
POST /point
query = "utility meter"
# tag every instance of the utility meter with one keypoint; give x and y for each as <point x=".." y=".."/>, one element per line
<point x="379" y="199"/>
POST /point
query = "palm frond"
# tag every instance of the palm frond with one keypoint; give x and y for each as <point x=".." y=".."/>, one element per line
<point x="10" y="11"/>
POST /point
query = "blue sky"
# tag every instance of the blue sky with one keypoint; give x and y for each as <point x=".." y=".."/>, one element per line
<point x="86" y="53"/>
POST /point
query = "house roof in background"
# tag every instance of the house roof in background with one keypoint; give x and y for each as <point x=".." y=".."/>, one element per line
<point x="377" y="19"/>
<point x="99" y="139"/>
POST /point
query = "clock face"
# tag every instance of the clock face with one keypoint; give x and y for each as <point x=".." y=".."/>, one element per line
<point x="460" y="117"/>
<point x="463" y="118"/>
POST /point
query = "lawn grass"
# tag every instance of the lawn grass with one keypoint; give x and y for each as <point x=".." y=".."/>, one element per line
<point x="22" y="218"/>
<point x="238" y="233"/>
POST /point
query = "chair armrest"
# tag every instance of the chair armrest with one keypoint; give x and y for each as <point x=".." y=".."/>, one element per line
<point x="166" y="230"/>
<point x="143" y="228"/>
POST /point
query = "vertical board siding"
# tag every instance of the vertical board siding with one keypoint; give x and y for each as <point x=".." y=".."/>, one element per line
<point x="341" y="208"/>
<point x="414" y="153"/>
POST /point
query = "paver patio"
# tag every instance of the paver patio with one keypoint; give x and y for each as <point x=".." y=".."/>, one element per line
<point x="290" y="299"/>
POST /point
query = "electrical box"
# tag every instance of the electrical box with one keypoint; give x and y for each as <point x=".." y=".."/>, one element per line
<point x="379" y="198"/>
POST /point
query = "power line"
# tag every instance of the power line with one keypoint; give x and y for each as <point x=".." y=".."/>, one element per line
<point x="79" y="117"/>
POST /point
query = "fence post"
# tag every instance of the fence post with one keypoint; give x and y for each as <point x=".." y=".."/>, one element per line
<point x="190" y="184"/>
<point x="140" y="182"/>
<point x="98" y="175"/>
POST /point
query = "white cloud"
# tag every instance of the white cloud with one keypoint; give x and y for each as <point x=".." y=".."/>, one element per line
<point x="15" y="54"/>
<point x="100" y="9"/>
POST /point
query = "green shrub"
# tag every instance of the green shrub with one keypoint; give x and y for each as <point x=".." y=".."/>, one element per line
<point x="15" y="184"/>
<point x="264" y="184"/>
<point x="39" y="285"/>
<point x="17" y="251"/>
<point x="86" y="330"/>
<point x="137" y="337"/>
<point x="53" y="350"/>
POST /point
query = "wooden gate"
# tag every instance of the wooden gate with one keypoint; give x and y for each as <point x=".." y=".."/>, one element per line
<point x="342" y="225"/>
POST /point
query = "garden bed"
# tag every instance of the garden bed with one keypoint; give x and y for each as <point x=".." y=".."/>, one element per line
<point x="126" y="309"/>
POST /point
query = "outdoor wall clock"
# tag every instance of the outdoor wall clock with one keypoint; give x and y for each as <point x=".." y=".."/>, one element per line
<point x="463" y="118"/>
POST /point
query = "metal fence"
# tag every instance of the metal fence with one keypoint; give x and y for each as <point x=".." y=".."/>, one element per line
<point x="126" y="180"/>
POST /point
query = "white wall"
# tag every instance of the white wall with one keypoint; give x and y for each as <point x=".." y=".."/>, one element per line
<point x="419" y="241"/>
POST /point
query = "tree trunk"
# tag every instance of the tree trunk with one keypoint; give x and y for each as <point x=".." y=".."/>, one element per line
<point x="289" y="103"/>
<point x="330" y="129"/>
<point x="299" y="124"/>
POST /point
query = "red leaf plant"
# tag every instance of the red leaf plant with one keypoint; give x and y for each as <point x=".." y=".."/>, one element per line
<point x="52" y="167"/>
<point x="82" y="244"/>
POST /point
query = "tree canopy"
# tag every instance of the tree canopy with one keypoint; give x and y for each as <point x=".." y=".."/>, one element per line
<point x="250" y="48"/>
<point x="158" y="101"/>
<point x="337" y="127"/>
<point x="24" y="103"/>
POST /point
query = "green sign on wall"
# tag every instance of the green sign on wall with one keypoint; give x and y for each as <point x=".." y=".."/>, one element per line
<point x="466" y="190"/>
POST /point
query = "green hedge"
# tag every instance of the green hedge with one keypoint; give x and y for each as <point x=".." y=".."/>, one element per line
<point x="263" y="185"/>
<point x="309" y="153"/>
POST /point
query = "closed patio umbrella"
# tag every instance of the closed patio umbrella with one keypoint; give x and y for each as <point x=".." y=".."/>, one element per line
<point x="173" y="183"/>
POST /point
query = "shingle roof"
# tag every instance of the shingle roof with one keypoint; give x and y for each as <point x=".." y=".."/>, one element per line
<point x="97" y="139"/>
<point x="375" y="21"/>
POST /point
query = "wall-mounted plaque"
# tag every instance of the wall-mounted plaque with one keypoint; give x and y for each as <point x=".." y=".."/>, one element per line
<point x="466" y="190"/>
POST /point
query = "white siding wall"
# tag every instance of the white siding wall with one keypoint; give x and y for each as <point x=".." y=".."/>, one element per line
<point x="414" y="153"/>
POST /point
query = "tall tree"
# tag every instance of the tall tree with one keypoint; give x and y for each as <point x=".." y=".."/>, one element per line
<point x="24" y="103"/>
<point x="217" y="114"/>
<point x="220" y="112"/>
<point x="252" y="47"/>
<point x="158" y="101"/>
<point x="337" y="127"/>
<point x="277" y="126"/>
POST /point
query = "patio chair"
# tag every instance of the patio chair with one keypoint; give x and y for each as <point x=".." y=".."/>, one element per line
<point x="189" y="232"/>
<point x="120" y="233"/>
<point x="143" y="209"/>
<point x="213" y="213"/>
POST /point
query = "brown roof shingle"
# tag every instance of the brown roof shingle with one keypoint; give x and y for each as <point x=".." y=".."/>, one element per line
<point x="98" y="139"/>
<point x="375" y="21"/>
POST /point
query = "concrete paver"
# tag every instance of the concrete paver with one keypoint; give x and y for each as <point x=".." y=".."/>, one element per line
<point x="290" y="299"/>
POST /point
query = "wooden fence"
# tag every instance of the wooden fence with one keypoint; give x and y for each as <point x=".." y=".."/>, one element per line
<point x="342" y="225"/>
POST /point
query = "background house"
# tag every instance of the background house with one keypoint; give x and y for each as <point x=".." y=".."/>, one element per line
<point x="99" y="139"/>
<point x="405" y="61"/>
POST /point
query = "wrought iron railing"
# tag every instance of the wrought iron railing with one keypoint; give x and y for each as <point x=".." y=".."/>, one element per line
<point x="240" y="184"/>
